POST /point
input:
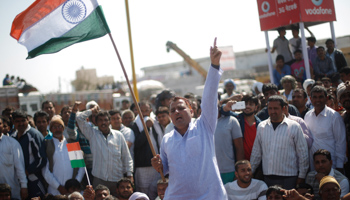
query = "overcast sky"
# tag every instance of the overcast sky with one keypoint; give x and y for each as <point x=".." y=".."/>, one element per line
<point x="191" y="24"/>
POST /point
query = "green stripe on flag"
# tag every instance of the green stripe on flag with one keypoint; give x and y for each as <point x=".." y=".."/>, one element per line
<point x="94" y="26"/>
<point x="77" y="163"/>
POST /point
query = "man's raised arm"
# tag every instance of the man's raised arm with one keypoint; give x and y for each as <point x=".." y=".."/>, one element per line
<point x="210" y="97"/>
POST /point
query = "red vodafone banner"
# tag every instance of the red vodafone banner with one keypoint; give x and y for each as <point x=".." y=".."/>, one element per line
<point x="277" y="13"/>
<point x="317" y="10"/>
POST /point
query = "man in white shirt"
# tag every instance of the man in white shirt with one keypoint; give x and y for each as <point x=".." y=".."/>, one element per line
<point x="323" y="167"/>
<point x="58" y="167"/>
<point x="12" y="165"/>
<point x="327" y="128"/>
<point x="245" y="187"/>
<point x="281" y="146"/>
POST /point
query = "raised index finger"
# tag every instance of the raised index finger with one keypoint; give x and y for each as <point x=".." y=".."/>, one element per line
<point x="214" y="42"/>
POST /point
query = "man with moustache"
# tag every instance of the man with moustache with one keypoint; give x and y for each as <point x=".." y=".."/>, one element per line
<point x="245" y="187"/>
<point x="111" y="156"/>
<point x="58" y="168"/>
<point x="187" y="153"/>
<point x="327" y="128"/>
<point x="124" y="189"/>
<point x="281" y="147"/>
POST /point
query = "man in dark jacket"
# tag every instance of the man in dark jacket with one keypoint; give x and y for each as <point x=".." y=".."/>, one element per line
<point x="336" y="55"/>
<point x="32" y="143"/>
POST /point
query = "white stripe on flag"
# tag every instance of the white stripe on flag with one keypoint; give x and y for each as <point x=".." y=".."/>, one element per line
<point x="75" y="155"/>
<point x="51" y="26"/>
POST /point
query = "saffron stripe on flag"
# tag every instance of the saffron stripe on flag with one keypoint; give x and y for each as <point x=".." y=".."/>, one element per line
<point x="75" y="155"/>
<point x="73" y="146"/>
<point x="34" y="13"/>
<point x="77" y="163"/>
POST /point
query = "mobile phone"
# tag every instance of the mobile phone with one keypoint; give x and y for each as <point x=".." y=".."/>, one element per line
<point x="238" y="105"/>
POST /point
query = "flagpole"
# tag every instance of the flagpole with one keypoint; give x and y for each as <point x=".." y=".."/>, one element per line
<point x="87" y="175"/>
<point x="135" y="100"/>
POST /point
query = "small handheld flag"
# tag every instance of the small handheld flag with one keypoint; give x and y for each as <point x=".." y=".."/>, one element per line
<point x="48" y="26"/>
<point x="76" y="157"/>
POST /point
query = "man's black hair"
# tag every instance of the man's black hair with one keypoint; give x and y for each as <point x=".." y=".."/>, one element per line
<point x="72" y="183"/>
<point x="124" y="180"/>
<point x="66" y="107"/>
<point x="345" y="70"/>
<point x="240" y="162"/>
<point x="19" y="114"/>
<point x="277" y="98"/>
<point x="320" y="47"/>
<point x="114" y="111"/>
<point x="281" y="29"/>
<point x="280" y="57"/>
<point x="269" y="86"/>
<point x="323" y="152"/>
<point x="329" y="40"/>
<point x="41" y="113"/>
<point x="297" y="51"/>
<point x="301" y="91"/>
<point x="102" y="114"/>
<point x="46" y="102"/>
<point x="102" y="187"/>
<point x="274" y="188"/>
<point x="251" y="98"/>
<point x="317" y="89"/>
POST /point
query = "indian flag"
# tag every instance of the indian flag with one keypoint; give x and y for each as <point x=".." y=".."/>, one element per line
<point x="75" y="155"/>
<point x="48" y="26"/>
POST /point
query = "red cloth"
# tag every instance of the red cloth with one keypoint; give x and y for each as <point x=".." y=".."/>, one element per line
<point x="248" y="139"/>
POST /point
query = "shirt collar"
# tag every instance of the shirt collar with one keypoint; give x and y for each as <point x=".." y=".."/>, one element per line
<point x="16" y="132"/>
<point x="284" y="121"/>
<point x="331" y="173"/>
<point x="323" y="112"/>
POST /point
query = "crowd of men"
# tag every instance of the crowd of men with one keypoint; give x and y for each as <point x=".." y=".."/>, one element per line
<point x="290" y="141"/>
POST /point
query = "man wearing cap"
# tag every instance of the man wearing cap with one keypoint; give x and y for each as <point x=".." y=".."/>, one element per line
<point x="327" y="128"/>
<point x="329" y="188"/>
<point x="343" y="93"/>
<point x="281" y="45"/>
<point x="311" y="49"/>
<point x="58" y="167"/>
<point x="336" y="55"/>
<point x="230" y="86"/>
<point x="323" y="167"/>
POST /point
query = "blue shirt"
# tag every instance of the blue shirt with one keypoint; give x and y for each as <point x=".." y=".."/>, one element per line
<point x="277" y="76"/>
<point x="190" y="159"/>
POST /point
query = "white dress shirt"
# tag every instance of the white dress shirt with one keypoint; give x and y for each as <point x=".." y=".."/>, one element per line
<point x="283" y="151"/>
<point x="328" y="130"/>
<point x="12" y="165"/>
<point x="62" y="169"/>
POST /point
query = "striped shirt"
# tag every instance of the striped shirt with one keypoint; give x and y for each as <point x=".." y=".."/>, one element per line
<point x="111" y="156"/>
<point x="283" y="151"/>
<point x="256" y="190"/>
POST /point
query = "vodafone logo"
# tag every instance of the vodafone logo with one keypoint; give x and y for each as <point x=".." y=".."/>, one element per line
<point x="265" y="6"/>
<point x="317" y="2"/>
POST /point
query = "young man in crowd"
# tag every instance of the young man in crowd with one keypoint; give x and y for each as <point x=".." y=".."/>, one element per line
<point x="327" y="128"/>
<point x="49" y="108"/>
<point x="33" y="147"/>
<point x="281" y="45"/>
<point x="311" y="49"/>
<point x="245" y="187"/>
<point x="281" y="70"/>
<point x="12" y="166"/>
<point x="336" y="55"/>
<point x="248" y="121"/>
<point x="41" y="120"/>
<point x="323" y="167"/>
<point x="323" y="65"/>
<point x="299" y="99"/>
<point x="124" y="189"/>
